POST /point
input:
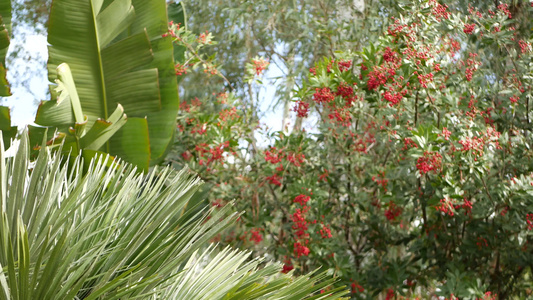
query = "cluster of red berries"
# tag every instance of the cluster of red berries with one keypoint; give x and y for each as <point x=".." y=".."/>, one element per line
<point x="431" y="161"/>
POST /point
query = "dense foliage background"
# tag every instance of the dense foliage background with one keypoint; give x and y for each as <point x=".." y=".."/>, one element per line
<point x="85" y="212"/>
<point x="406" y="168"/>
<point x="403" y="164"/>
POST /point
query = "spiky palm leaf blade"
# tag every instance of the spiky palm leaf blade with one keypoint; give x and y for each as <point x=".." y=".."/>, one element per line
<point x="101" y="233"/>
<point x="231" y="275"/>
<point x="101" y="230"/>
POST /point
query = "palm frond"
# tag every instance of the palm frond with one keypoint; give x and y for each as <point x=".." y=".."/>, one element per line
<point x="230" y="275"/>
<point x="106" y="233"/>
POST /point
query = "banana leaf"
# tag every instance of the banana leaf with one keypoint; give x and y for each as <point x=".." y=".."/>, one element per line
<point x="118" y="58"/>
<point x="5" y="31"/>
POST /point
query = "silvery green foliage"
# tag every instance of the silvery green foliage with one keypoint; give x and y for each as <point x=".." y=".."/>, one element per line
<point x="101" y="230"/>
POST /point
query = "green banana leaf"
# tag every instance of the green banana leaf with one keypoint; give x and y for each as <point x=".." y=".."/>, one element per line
<point x="5" y="12"/>
<point x="152" y="15"/>
<point x="9" y="132"/>
<point x="5" y="31"/>
<point x="118" y="57"/>
<point x="65" y="115"/>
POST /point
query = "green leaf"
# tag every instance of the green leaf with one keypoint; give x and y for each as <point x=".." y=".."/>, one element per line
<point x="128" y="137"/>
<point x="8" y="132"/>
<point x="178" y="15"/>
<point x="152" y="17"/>
<point x="65" y="81"/>
<point x="5" y="13"/>
<point x="64" y="111"/>
<point x="103" y="130"/>
<point x="118" y="59"/>
<point x="5" y="31"/>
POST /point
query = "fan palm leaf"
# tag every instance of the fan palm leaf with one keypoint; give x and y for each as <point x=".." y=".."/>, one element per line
<point x="231" y="275"/>
<point x="109" y="232"/>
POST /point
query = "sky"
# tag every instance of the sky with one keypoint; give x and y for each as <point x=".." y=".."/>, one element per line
<point x="23" y="104"/>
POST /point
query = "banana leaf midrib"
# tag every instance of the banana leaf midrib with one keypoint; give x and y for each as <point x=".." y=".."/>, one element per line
<point x="100" y="67"/>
